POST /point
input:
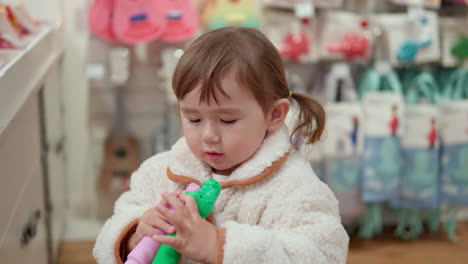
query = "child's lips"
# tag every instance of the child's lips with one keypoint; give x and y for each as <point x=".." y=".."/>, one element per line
<point x="213" y="156"/>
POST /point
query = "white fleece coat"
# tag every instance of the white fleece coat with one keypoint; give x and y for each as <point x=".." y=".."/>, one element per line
<point x="290" y="216"/>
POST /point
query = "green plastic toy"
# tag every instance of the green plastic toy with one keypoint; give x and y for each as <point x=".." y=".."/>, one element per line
<point x="206" y="198"/>
<point x="460" y="49"/>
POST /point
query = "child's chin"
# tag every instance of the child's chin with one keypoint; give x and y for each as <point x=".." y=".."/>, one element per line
<point x="219" y="168"/>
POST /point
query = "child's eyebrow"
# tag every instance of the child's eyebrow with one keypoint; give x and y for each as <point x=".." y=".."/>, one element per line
<point x="223" y="110"/>
<point x="188" y="110"/>
<point x="229" y="111"/>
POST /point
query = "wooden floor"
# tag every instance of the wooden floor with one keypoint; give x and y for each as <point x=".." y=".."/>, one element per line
<point x="385" y="249"/>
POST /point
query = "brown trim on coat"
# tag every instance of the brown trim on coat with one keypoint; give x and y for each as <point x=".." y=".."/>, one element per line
<point x="222" y="231"/>
<point x="267" y="172"/>
<point x="221" y="241"/>
<point x="181" y="179"/>
<point x="120" y="245"/>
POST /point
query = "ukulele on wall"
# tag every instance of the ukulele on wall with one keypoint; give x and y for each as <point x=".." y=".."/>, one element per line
<point x="121" y="149"/>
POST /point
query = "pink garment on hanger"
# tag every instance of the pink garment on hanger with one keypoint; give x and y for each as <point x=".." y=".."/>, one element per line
<point x="100" y="19"/>
<point x="181" y="18"/>
<point x="138" y="21"/>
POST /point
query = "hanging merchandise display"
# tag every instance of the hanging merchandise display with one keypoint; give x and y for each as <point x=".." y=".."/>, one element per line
<point x="181" y="18"/>
<point x="345" y="36"/>
<point x="291" y="36"/>
<point x="290" y="3"/>
<point x="410" y="48"/>
<point x="12" y="34"/>
<point x="454" y="138"/>
<point x="383" y="109"/>
<point x="460" y="49"/>
<point x="121" y="155"/>
<point x="420" y="155"/>
<point x="142" y="21"/>
<point x="137" y="21"/>
<point x="426" y="3"/>
<point x="328" y="3"/>
<point x="454" y="35"/>
<point x="342" y="146"/>
<point x="412" y="38"/>
<point x="100" y="19"/>
<point x="228" y="13"/>
<point x="23" y="18"/>
<point x="338" y="84"/>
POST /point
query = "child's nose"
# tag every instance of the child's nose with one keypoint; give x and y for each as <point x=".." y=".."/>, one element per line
<point x="210" y="135"/>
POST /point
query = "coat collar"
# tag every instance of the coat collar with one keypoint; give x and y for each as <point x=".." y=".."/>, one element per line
<point x="185" y="167"/>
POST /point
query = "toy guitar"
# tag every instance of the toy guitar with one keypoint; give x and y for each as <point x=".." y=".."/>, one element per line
<point x="206" y="198"/>
<point x="147" y="248"/>
<point x="100" y="19"/>
<point x="121" y="148"/>
<point x="234" y="13"/>
<point x="137" y="21"/>
<point x="181" y="19"/>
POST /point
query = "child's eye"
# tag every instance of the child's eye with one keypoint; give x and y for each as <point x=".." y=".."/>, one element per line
<point x="228" y="121"/>
<point x="194" y="120"/>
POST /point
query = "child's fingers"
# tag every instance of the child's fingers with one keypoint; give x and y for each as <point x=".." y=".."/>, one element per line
<point x="163" y="225"/>
<point x="147" y="230"/>
<point x="169" y="240"/>
<point x="164" y="202"/>
<point x="176" y="218"/>
<point x="168" y="214"/>
<point x="150" y="216"/>
<point x="173" y="200"/>
<point x="190" y="203"/>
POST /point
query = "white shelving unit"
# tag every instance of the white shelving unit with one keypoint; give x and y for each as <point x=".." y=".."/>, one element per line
<point x="24" y="70"/>
<point x="32" y="175"/>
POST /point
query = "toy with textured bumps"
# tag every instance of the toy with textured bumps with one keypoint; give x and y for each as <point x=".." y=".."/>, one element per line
<point x="147" y="248"/>
<point x="206" y="198"/>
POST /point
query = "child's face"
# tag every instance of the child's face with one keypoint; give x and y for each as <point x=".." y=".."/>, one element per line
<point x="226" y="134"/>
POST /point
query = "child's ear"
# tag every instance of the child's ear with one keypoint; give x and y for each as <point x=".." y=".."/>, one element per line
<point x="277" y="114"/>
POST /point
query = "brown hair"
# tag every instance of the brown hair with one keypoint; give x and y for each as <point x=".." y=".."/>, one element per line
<point x="258" y="65"/>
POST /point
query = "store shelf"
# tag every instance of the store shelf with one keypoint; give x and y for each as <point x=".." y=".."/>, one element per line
<point x="23" y="70"/>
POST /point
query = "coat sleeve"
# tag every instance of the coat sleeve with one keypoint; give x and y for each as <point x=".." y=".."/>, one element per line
<point x="145" y="185"/>
<point x="299" y="225"/>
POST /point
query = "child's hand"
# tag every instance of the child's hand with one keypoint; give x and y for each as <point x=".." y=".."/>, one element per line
<point x="148" y="223"/>
<point x="196" y="238"/>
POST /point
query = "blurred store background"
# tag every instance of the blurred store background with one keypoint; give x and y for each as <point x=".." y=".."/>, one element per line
<point x="85" y="96"/>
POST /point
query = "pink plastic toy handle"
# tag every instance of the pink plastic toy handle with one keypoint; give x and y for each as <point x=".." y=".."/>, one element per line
<point x="147" y="248"/>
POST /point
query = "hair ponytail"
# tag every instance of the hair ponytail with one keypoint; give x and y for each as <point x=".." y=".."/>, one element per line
<point x="311" y="119"/>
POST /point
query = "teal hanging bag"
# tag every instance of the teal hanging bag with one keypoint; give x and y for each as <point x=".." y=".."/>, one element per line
<point x="383" y="109"/>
